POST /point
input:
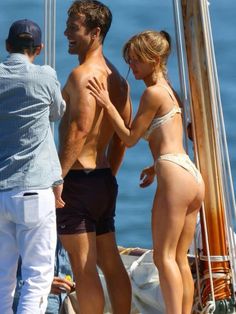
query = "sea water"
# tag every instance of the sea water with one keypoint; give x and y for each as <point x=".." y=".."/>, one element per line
<point x="129" y="17"/>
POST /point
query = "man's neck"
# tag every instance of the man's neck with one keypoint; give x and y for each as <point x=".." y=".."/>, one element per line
<point x="92" y="53"/>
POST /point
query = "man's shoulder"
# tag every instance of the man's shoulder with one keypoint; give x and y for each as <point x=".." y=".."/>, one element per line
<point x="46" y="72"/>
<point x="46" y="69"/>
<point x="78" y="72"/>
<point x="82" y="73"/>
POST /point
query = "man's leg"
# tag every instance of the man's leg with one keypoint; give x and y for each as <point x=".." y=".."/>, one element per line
<point x="63" y="268"/>
<point x="8" y="263"/>
<point x="37" y="242"/>
<point x="117" y="279"/>
<point x="82" y="252"/>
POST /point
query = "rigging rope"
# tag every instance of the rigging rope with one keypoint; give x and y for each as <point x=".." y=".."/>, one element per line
<point x="214" y="92"/>
<point x="222" y="149"/>
<point x="182" y="66"/>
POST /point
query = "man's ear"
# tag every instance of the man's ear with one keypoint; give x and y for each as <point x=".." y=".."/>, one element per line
<point x="8" y="46"/>
<point x="96" y="32"/>
<point x="38" y="49"/>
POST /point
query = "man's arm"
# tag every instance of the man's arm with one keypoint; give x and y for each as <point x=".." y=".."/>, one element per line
<point x="115" y="153"/>
<point x="58" y="104"/>
<point x="117" y="148"/>
<point x="61" y="285"/>
<point x="79" y="115"/>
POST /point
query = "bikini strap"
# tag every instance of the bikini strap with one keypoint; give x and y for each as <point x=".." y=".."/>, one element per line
<point x="168" y="89"/>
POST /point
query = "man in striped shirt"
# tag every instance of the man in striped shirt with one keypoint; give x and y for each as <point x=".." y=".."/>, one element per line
<point x="30" y="98"/>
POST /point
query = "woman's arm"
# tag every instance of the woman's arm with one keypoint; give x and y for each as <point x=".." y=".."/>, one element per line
<point x="147" y="176"/>
<point x="146" y="112"/>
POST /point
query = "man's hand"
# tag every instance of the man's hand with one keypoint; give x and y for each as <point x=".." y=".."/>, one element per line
<point x="57" y="190"/>
<point x="61" y="285"/>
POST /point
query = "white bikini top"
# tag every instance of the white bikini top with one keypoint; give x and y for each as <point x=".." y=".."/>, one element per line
<point x="158" y="121"/>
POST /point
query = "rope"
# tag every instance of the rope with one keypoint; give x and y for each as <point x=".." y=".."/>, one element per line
<point x="208" y="308"/>
<point x="222" y="150"/>
<point x="181" y="57"/>
<point x="215" y="258"/>
<point x="210" y="305"/>
<point x="223" y="162"/>
<point x="132" y="251"/>
<point x="212" y="295"/>
<point x="180" y="41"/>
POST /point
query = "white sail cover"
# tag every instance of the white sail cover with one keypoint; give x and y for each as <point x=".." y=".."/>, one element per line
<point x="147" y="298"/>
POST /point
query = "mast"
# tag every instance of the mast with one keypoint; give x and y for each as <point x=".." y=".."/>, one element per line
<point x="194" y="42"/>
<point x="50" y="36"/>
<point x="50" y="32"/>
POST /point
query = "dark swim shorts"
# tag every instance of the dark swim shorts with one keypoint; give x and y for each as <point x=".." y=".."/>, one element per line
<point x="90" y="199"/>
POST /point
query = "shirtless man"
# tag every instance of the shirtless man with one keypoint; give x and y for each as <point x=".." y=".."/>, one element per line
<point x="90" y="154"/>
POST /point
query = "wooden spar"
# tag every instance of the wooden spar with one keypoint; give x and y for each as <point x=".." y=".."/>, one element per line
<point x="206" y="151"/>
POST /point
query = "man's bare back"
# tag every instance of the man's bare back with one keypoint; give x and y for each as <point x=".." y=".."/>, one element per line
<point x="89" y="120"/>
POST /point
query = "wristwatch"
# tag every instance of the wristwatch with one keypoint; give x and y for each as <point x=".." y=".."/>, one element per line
<point x="58" y="182"/>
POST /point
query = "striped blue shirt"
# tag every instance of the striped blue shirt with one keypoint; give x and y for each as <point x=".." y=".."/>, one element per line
<point x="30" y="98"/>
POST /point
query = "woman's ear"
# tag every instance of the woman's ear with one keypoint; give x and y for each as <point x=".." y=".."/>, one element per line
<point x="157" y="60"/>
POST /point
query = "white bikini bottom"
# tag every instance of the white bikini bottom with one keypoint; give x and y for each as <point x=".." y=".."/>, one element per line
<point x="183" y="161"/>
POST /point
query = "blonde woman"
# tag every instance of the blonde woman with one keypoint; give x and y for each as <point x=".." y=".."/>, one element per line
<point x="180" y="188"/>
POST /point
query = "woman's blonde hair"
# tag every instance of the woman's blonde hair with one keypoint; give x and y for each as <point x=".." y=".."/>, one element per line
<point x="149" y="46"/>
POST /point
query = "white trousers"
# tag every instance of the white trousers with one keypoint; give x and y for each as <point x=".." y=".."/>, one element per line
<point x="27" y="228"/>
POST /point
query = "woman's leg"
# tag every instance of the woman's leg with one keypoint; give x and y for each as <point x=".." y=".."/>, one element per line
<point x="176" y="191"/>
<point x="182" y="260"/>
<point x="185" y="241"/>
<point x="166" y="229"/>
